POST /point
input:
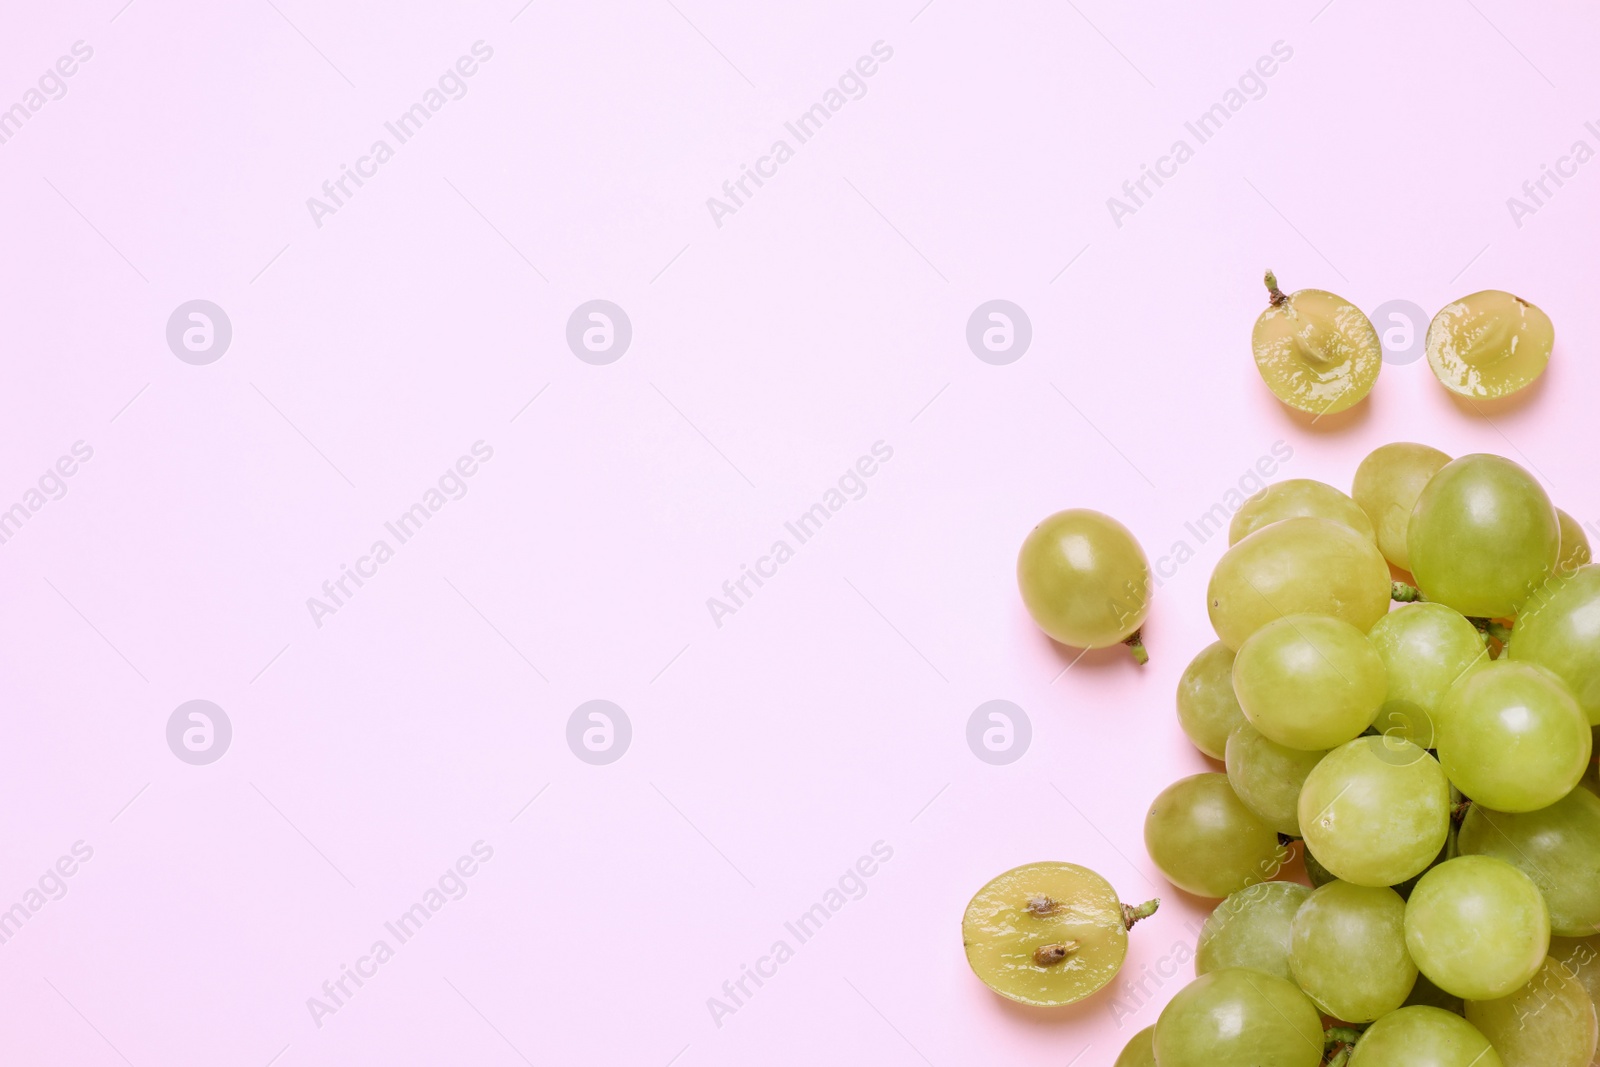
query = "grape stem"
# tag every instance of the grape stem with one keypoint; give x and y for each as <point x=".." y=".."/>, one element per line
<point x="1131" y="914"/>
<point x="1338" y="1041"/>
<point x="1275" y="295"/>
<point x="1135" y="643"/>
<point x="1405" y="594"/>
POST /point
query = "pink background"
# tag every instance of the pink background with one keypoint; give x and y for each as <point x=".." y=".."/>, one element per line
<point x="768" y="354"/>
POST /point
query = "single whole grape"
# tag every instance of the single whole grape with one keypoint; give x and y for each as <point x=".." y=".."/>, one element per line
<point x="1203" y="838"/>
<point x="1048" y="934"/>
<point x="1426" y="649"/>
<point x="1511" y="736"/>
<point x="1207" y="709"/>
<point x="1239" y="1018"/>
<point x="1084" y="579"/>
<point x="1477" y="927"/>
<point x="1489" y="344"/>
<point x="1267" y="776"/>
<point x="1376" y="810"/>
<point x="1575" y="551"/>
<point x="1581" y="958"/>
<point x="1251" y="929"/>
<point x="1298" y="497"/>
<point x="1550" y="1022"/>
<point x="1309" y="681"/>
<point x="1558" y="847"/>
<point x="1484" y="536"/>
<point x="1386" y="486"/>
<point x="1140" y="1051"/>
<point x="1317" y="352"/>
<point x="1421" y="1036"/>
<point x="1349" y="951"/>
<point x="1295" y="566"/>
<point x="1560" y="630"/>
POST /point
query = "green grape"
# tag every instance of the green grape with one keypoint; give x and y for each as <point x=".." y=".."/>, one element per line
<point x="1206" y="841"/>
<point x="1309" y="681"/>
<point x="1581" y="957"/>
<point x="1550" y="1022"/>
<point x="1477" y="927"/>
<point x="1140" y="1051"/>
<point x="1319" y="875"/>
<point x="1376" y="811"/>
<point x="1267" y="776"/>
<point x="1387" y="485"/>
<point x="1425" y="992"/>
<point x="1295" y="497"/>
<point x="1239" y="1018"/>
<point x="1250" y="929"/>
<point x="1489" y="344"/>
<point x="1511" y="736"/>
<point x="1048" y="934"/>
<point x="1299" y="565"/>
<point x="1575" y="551"/>
<point x="1425" y="648"/>
<point x="1558" y="847"/>
<point x="1316" y="351"/>
<point x="1483" y="537"/>
<point x="1560" y="631"/>
<point x="1084" y="579"/>
<point x="1421" y="1036"/>
<point x="1349" y="951"/>
<point x="1207" y="709"/>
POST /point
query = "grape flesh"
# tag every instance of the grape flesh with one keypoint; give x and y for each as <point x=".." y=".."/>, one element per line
<point x="1386" y="486"/>
<point x="1309" y="681"/>
<point x="1298" y="497"/>
<point x="1349" y="951"/>
<point x="1425" y="648"/>
<point x="1512" y="737"/>
<point x="1376" y="811"/>
<point x="1560" y="630"/>
<point x="1421" y="1036"/>
<point x="1317" y="352"/>
<point x="1550" y="1022"/>
<point x="1207" y="709"/>
<point x="1489" y="344"/>
<point x="1239" y="1018"/>
<point x="1267" y="777"/>
<point x="1484" y="537"/>
<point x="1203" y="838"/>
<point x="1084" y="579"/>
<point x="1299" y="565"/>
<point x="1140" y="1051"/>
<point x="1045" y="934"/>
<point x="1477" y="927"/>
<point x="1558" y="847"/>
<point x="1251" y="930"/>
<point x="1575" y="551"/>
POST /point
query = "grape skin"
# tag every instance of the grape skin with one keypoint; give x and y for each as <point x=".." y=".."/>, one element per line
<point x="1267" y="776"/>
<point x="1140" y="1051"/>
<point x="1511" y="736"/>
<point x="1239" y="1018"/>
<point x="1207" y="709"/>
<point x="1581" y="957"/>
<point x="1349" y="951"/>
<point x="1386" y="486"/>
<point x="1309" y="681"/>
<point x="1084" y="579"/>
<point x="1550" y="1022"/>
<point x="1421" y="1036"/>
<point x="1558" y="847"/>
<point x="1376" y="811"/>
<point x="1251" y="930"/>
<point x="1298" y="497"/>
<point x="1203" y="838"/>
<point x="1560" y="630"/>
<point x="1477" y="927"/>
<point x="1575" y="551"/>
<point x="1426" y="649"/>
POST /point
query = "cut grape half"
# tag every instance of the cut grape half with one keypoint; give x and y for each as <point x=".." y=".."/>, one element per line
<point x="1316" y="351"/>
<point x="1489" y="344"/>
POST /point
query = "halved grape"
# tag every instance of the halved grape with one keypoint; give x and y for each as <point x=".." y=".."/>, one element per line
<point x="1423" y="1037"/>
<point x="1349" y="951"/>
<point x="1489" y="344"/>
<point x="1239" y="1018"/>
<point x="1207" y="709"/>
<point x="1575" y="551"/>
<point x="1483" y="537"/>
<point x="1477" y="927"/>
<point x="1558" y="847"/>
<point x="1316" y="351"/>
<point x="1425" y="648"/>
<point x="1048" y="933"/>
<point x="1299" y="565"/>
<point x="1550" y="1022"/>
<point x="1376" y="811"/>
<point x="1206" y="841"/>
<point x="1387" y="485"/>
<point x="1084" y="579"/>
<point x="1309" y="681"/>
<point x="1267" y="776"/>
<point x="1298" y="497"/>
<point x="1251" y="929"/>
<point x="1140" y="1051"/>
<point x="1511" y="736"/>
<point x="1559" y="629"/>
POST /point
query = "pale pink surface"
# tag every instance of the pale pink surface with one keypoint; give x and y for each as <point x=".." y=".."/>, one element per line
<point x="828" y="713"/>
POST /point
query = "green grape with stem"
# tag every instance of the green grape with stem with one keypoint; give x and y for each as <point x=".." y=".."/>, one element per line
<point x="1267" y="776"/>
<point x="1251" y="930"/>
<point x="1239" y="1018"/>
<point x="1206" y="842"/>
<point x="1376" y="811"/>
<point x="1085" y="580"/>
<point x="1207" y="709"/>
<point x="1349" y="951"/>
<point x="1477" y="927"/>
<point x="1294" y="498"/>
<point x="1386" y="486"/>
<point x="1309" y="681"/>
<point x="1558" y="847"/>
<point x="1317" y="352"/>
<point x="1559" y="629"/>
<point x="1426" y="648"/>
<point x="1550" y="1022"/>
<point x="1421" y="1036"/>
<point x="1489" y="344"/>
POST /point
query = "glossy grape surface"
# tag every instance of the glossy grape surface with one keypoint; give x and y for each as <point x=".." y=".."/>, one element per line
<point x="1489" y="344"/>
<point x="1560" y="630"/>
<point x="1550" y="1022"/>
<point x="1140" y="1051"/>
<point x="1203" y="838"/>
<point x="1386" y="486"/>
<point x="1309" y="681"/>
<point x="1239" y="1018"/>
<point x="1349" y="951"/>
<point x="1207" y="709"/>
<point x="1581" y="958"/>
<point x="1298" y="497"/>
<point x="1267" y="776"/>
<point x="1251" y="930"/>
<point x="1477" y="927"/>
<point x="1317" y="352"/>
<point x="1558" y="847"/>
<point x="1483" y="536"/>
<point x="1376" y="811"/>
<point x="1299" y="565"/>
<point x="1575" y="551"/>
<point x="1423" y="1037"/>
<point x="1425" y="648"/>
<point x="1084" y="578"/>
<point x="1512" y="737"/>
